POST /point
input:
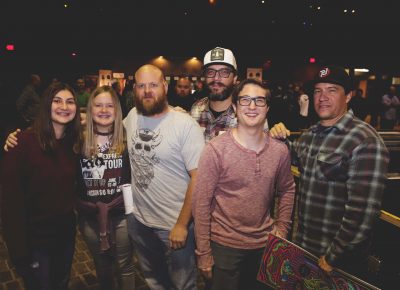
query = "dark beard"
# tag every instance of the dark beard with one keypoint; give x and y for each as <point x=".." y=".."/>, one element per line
<point x="157" y="108"/>
<point x="219" y="97"/>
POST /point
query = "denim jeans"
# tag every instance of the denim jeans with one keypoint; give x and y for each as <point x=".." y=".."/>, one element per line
<point x="121" y="255"/>
<point x="163" y="268"/>
<point x="51" y="265"/>
<point x="236" y="269"/>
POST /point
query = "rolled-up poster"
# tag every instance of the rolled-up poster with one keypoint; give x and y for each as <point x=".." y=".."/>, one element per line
<point x="128" y="199"/>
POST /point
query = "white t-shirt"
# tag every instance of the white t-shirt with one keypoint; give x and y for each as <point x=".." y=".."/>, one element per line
<point x="161" y="152"/>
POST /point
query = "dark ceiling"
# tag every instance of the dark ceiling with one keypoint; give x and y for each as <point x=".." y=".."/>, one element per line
<point x="100" y="31"/>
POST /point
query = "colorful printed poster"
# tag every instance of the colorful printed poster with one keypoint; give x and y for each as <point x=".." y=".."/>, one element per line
<point x="287" y="266"/>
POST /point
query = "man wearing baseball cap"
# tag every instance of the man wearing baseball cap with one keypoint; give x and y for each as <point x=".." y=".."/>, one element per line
<point x="343" y="163"/>
<point x="215" y="112"/>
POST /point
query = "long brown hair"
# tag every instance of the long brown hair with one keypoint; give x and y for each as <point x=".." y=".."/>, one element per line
<point x="43" y="125"/>
<point x="117" y="140"/>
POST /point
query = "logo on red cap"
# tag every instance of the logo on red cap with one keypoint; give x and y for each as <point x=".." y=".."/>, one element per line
<point x="323" y="73"/>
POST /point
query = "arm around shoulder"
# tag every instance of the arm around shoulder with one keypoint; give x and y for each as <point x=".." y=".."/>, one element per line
<point x="14" y="203"/>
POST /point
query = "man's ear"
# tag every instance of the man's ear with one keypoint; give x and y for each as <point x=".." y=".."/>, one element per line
<point x="349" y="96"/>
<point x="165" y="86"/>
<point x="234" y="107"/>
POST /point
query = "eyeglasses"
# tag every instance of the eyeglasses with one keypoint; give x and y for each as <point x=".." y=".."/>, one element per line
<point x="223" y="73"/>
<point x="258" y="101"/>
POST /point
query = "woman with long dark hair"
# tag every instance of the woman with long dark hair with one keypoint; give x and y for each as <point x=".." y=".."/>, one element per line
<point x="38" y="178"/>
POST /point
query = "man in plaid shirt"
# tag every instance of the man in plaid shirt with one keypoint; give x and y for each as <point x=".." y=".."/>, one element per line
<point x="215" y="113"/>
<point x="343" y="164"/>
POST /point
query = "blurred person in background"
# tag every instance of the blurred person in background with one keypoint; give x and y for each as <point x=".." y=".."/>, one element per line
<point x="359" y="105"/>
<point x="182" y="95"/>
<point x="82" y="93"/>
<point x="390" y="107"/>
<point x="29" y="101"/>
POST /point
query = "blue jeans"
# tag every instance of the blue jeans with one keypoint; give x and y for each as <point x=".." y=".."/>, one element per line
<point x="122" y="254"/>
<point x="163" y="268"/>
<point x="51" y="265"/>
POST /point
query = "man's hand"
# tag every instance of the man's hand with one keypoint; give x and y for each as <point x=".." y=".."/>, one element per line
<point x="206" y="272"/>
<point x="324" y="265"/>
<point x="82" y="115"/>
<point x="177" y="236"/>
<point x="11" y="141"/>
<point x="279" y="131"/>
<point x="278" y="233"/>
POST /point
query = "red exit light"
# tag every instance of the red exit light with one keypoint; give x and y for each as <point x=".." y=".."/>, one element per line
<point x="10" y="47"/>
<point x="312" y="60"/>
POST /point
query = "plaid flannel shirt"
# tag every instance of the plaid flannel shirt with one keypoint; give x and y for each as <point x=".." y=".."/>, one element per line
<point x="214" y="126"/>
<point x="343" y="171"/>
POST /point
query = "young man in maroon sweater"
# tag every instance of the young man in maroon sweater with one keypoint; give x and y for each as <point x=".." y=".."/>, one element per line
<point x="239" y="175"/>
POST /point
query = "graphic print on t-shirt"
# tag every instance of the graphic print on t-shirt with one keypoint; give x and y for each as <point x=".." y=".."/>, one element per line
<point x="143" y="156"/>
<point x="93" y="168"/>
<point x="102" y="174"/>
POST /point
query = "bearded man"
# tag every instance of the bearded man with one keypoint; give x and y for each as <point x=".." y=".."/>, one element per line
<point x="215" y="113"/>
<point x="164" y="148"/>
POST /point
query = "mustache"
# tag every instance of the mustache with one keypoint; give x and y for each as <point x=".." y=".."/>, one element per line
<point x="216" y="83"/>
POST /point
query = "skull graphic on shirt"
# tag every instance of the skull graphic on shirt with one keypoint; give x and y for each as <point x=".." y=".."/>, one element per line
<point x="143" y="156"/>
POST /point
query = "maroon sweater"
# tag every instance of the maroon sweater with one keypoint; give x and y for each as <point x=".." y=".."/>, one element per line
<point x="234" y="195"/>
<point x="38" y="194"/>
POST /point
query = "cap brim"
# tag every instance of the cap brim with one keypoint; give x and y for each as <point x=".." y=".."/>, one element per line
<point x="309" y="86"/>
<point x="219" y="62"/>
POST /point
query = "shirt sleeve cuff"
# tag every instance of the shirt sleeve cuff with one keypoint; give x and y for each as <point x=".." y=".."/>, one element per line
<point x="282" y="228"/>
<point x="204" y="259"/>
